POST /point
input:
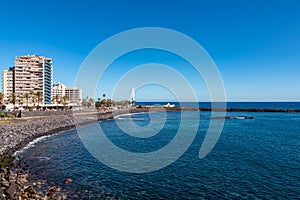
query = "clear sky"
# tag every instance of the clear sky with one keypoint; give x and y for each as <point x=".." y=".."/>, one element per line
<point x="254" y="43"/>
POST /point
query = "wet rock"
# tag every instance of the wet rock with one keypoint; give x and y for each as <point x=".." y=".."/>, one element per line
<point x="4" y="183"/>
<point x="2" y="195"/>
<point x="29" y="189"/>
<point x="12" y="190"/>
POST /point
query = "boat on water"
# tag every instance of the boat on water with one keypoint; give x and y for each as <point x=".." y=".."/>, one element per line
<point x="233" y="117"/>
<point x="168" y="105"/>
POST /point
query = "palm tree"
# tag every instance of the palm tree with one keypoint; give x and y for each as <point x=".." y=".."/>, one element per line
<point x="84" y="102"/>
<point x="27" y="98"/>
<point x="65" y="99"/>
<point x="86" y="98"/>
<point x="109" y="102"/>
<point x="32" y="96"/>
<point x="56" y="98"/>
<point x="103" y="100"/>
<point x="38" y="95"/>
<point x="1" y="98"/>
<point x="13" y="99"/>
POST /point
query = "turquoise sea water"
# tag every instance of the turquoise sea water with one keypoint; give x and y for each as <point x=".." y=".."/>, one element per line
<point x="256" y="158"/>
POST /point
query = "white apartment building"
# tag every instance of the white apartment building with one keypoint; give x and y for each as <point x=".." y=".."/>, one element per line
<point x="58" y="91"/>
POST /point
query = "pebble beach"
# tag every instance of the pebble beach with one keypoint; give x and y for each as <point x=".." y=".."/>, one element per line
<point x="18" y="133"/>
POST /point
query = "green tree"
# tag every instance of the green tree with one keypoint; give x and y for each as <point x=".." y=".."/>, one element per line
<point x="98" y="103"/>
<point x="91" y="102"/>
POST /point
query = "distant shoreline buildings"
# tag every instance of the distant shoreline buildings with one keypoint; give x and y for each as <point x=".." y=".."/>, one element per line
<point x="33" y="75"/>
<point x="73" y="94"/>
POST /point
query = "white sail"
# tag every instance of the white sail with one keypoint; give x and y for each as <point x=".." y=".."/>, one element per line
<point x="132" y="95"/>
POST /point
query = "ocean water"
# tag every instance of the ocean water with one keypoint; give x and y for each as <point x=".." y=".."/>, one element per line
<point x="257" y="105"/>
<point x="255" y="158"/>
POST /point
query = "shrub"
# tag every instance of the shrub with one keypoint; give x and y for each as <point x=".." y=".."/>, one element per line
<point x="6" y="160"/>
<point x="9" y="115"/>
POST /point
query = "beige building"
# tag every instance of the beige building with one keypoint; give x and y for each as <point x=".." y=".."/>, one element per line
<point x="74" y="95"/>
<point x="7" y="84"/>
<point x="31" y="73"/>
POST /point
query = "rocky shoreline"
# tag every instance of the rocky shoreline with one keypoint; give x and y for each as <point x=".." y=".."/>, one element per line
<point x="15" y="136"/>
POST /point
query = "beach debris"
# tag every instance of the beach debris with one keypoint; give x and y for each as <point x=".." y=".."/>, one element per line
<point x="68" y="180"/>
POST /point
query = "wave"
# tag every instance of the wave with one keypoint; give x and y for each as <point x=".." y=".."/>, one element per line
<point x="32" y="143"/>
<point x="136" y="119"/>
<point x="128" y="114"/>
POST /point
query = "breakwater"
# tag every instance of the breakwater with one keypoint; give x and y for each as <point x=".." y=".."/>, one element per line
<point x="147" y="109"/>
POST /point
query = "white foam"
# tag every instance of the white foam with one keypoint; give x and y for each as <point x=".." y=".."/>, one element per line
<point x="32" y="143"/>
<point x="128" y="114"/>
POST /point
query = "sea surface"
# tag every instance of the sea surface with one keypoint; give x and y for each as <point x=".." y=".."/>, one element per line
<point x="256" y="105"/>
<point x="255" y="158"/>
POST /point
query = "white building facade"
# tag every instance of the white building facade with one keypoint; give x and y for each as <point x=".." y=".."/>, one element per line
<point x="7" y="84"/>
<point x="72" y="94"/>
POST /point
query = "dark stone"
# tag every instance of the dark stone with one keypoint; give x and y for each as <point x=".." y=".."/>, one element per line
<point x="12" y="190"/>
<point x="2" y="195"/>
<point x="30" y="190"/>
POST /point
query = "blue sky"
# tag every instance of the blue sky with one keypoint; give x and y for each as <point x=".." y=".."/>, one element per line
<point x="255" y="44"/>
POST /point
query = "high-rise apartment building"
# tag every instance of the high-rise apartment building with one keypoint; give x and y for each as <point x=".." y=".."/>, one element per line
<point x="31" y="73"/>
